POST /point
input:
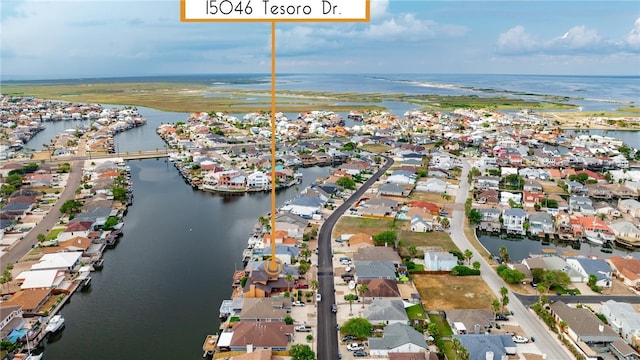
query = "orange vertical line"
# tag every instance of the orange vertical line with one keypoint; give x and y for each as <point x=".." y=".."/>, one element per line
<point x="273" y="140"/>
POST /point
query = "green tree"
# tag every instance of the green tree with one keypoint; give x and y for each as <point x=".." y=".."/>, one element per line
<point x="350" y="298"/>
<point x="476" y="265"/>
<point x="388" y="237"/>
<point x="504" y="254"/>
<point x="413" y="251"/>
<point x="358" y="327"/>
<point x="289" y="279"/>
<point x="504" y="293"/>
<point x="119" y="193"/>
<point x="41" y="237"/>
<point x="301" y="352"/>
<point x="304" y="267"/>
<point x="468" y="254"/>
<point x="288" y="320"/>
<point x="362" y="289"/>
<point x="71" y="207"/>
<point x="495" y="306"/>
<point x="474" y="216"/>
<point x="346" y="183"/>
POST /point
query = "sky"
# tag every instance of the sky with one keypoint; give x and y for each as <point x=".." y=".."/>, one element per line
<point x="89" y="38"/>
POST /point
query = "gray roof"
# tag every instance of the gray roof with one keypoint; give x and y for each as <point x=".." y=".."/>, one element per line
<point x="16" y="206"/>
<point x="515" y="212"/>
<point x="93" y="214"/>
<point x="584" y="323"/>
<point x="282" y="249"/>
<point x="598" y="267"/>
<point x="375" y="269"/>
<point x="385" y="310"/>
<point x="489" y="211"/>
<point x="306" y="201"/>
<point x="403" y="173"/>
<point x="540" y="217"/>
<point x="391" y="188"/>
<point x="377" y="253"/>
<point x="479" y="345"/>
<point x="396" y="335"/>
<point x="623" y="313"/>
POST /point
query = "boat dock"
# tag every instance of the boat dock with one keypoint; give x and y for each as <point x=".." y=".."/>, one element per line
<point x="209" y="346"/>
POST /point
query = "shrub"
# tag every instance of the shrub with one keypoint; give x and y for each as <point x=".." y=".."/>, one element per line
<point x="462" y="270"/>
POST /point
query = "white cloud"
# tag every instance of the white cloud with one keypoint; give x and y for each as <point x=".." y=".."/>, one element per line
<point x="378" y="8"/>
<point x="516" y="40"/>
<point x="633" y="39"/>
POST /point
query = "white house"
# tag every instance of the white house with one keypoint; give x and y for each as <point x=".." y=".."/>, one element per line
<point x="397" y="338"/>
<point x="439" y="261"/>
<point x="258" y="180"/>
<point x="400" y="179"/>
<point x="505" y="196"/>
<point x="58" y="261"/>
<point x="623" y="319"/>
<point x="587" y="266"/>
<point x="432" y="185"/>
<point x="418" y="224"/>
<point x="40" y="279"/>
<point x="513" y="220"/>
<point x="629" y="206"/>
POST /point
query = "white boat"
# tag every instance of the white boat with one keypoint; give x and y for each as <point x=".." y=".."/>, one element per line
<point x="55" y="324"/>
<point x="28" y="356"/>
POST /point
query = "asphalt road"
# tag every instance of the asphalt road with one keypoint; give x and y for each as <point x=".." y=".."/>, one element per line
<point x="23" y="246"/>
<point x="327" y="335"/>
<point x="526" y="319"/>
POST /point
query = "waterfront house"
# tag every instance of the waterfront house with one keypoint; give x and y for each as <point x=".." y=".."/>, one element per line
<point x="439" y="261"/>
<point x="304" y="206"/>
<point x="623" y="351"/>
<point x="265" y="309"/>
<point x="249" y="335"/>
<point x="513" y="221"/>
<point x="626" y="232"/>
<point x="626" y="269"/>
<point x="397" y="338"/>
<point x="374" y="270"/>
<point x="286" y="253"/>
<point x="258" y="181"/>
<point x="58" y="261"/>
<point x="381" y="288"/>
<point x="629" y="206"/>
<point x="587" y="266"/>
<point x="582" y="325"/>
<point x="541" y="223"/>
<point x="385" y="312"/>
<point x="287" y="217"/>
<point x="624" y="320"/>
<point x="40" y="279"/>
<point x="418" y="224"/>
<point x="490" y="214"/>
<point x="487" y="346"/>
<point x="260" y="284"/>
<point x="10" y="318"/>
<point x="553" y="263"/>
<point x="29" y="300"/>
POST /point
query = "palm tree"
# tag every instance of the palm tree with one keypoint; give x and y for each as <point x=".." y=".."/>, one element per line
<point x="444" y="222"/>
<point x="504" y="254"/>
<point x="495" y="307"/>
<point x="468" y="254"/>
<point x="288" y="278"/>
<point x="350" y="298"/>
<point x="362" y="289"/>
<point x="542" y="289"/>
<point x="504" y="293"/>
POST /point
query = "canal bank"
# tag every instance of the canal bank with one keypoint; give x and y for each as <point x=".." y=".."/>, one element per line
<point x="165" y="280"/>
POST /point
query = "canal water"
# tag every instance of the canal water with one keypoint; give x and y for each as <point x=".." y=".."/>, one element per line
<point x="160" y="290"/>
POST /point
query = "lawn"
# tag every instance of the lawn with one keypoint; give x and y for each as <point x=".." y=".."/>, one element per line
<point x="416" y="312"/>
<point x="376" y="148"/>
<point x="550" y="187"/>
<point x="53" y="233"/>
<point x="433" y="238"/>
<point x="353" y="225"/>
<point x="432" y="197"/>
<point x="444" y="330"/>
<point x="444" y="292"/>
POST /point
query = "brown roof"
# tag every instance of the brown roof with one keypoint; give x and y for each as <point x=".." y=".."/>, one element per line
<point x="261" y="334"/>
<point x="630" y="268"/>
<point x="29" y="299"/>
<point x="381" y="288"/>
<point x="361" y="239"/>
<point x="258" y="354"/>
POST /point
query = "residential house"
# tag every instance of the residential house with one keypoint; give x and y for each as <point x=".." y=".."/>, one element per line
<point x="286" y="253"/>
<point x="265" y="309"/>
<point x="252" y="335"/>
<point x="576" y="188"/>
<point x="623" y="319"/>
<point x="553" y="263"/>
<point x="541" y="224"/>
<point x="432" y="185"/>
<point x="489" y="197"/>
<point x="583" y="326"/>
<point x="587" y="266"/>
<point x="487" y="346"/>
<point x="513" y="221"/>
<point x="304" y="206"/>
<point x="622" y="351"/>
<point x="30" y="300"/>
<point x="401" y="177"/>
<point x="487" y="182"/>
<point x="392" y="190"/>
<point x="58" y="261"/>
<point x="532" y="186"/>
<point x="476" y="320"/>
<point x="531" y="199"/>
<point x="490" y="214"/>
<point x="9" y="315"/>
<point x="386" y="312"/>
<point x="381" y="288"/>
<point x="374" y="270"/>
<point x="629" y="206"/>
<point x="581" y="204"/>
<point x="397" y="338"/>
<point x="439" y="261"/>
<point x="508" y="197"/>
<point x="418" y="224"/>
<point x="626" y="269"/>
<point x="360" y="240"/>
<point x="626" y="231"/>
<point x="258" y="181"/>
<point x="40" y="279"/>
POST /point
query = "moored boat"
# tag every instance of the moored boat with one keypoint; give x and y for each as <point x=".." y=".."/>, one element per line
<point x="209" y="346"/>
<point x="55" y="324"/>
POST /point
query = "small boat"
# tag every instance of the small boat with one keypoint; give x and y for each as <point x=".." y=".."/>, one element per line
<point x="98" y="265"/>
<point x="55" y="324"/>
<point x="86" y="282"/>
<point x="28" y="356"/>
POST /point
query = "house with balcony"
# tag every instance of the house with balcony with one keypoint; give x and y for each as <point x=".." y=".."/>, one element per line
<point x="541" y="224"/>
<point x="513" y="221"/>
<point x="623" y="319"/>
<point x="581" y="204"/>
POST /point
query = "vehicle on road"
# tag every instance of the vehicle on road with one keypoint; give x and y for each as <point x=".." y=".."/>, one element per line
<point x="303" y="328"/>
<point x="355" y="347"/>
<point x="519" y="339"/>
<point x="297" y="303"/>
<point x="318" y="297"/>
<point x="359" y="353"/>
<point x="334" y="308"/>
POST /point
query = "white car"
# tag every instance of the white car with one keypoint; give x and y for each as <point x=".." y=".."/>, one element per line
<point x="318" y="297"/>
<point x="297" y="303"/>
<point x="355" y="347"/>
<point x="519" y="339"/>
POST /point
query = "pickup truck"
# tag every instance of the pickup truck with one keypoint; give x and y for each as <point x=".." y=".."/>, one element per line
<point x="303" y="328"/>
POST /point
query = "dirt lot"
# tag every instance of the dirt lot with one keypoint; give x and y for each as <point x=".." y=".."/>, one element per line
<point x="443" y="292"/>
<point x="432" y="197"/>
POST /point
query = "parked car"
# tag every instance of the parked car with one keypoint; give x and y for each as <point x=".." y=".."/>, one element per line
<point x="297" y="303"/>
<point x="302" y="286"/>
<point x="349" y="338"/>
<point x="345" y="260"/>
<point x="303" y="328"/>
<point x="347" y="277"/>
<point x="519" y="339"/>
<point x="359" y="353"/>
<point x="334" y="308"/>
<point x="318" y="297"/>
<point x="501" y="317"/>
<point x="355" y="347"/>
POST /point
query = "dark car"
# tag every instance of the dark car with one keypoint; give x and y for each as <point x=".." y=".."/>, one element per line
<point x="334" y="308"/>
<point x="500" y="317"/>
<point x="347" y="277"/>
<point x="359" y="353"/>
<point x="349" y="338"/>
<point x="302" y="286"/>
